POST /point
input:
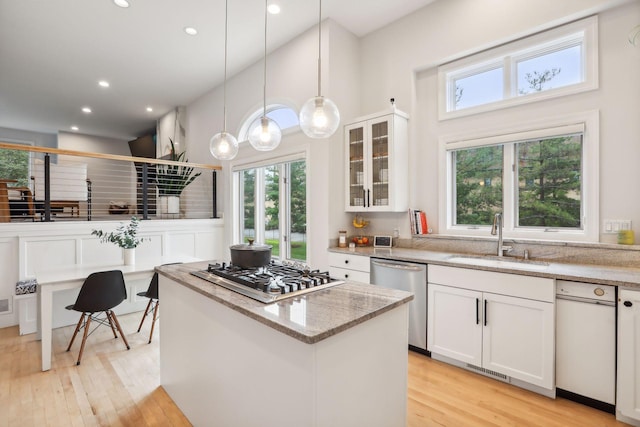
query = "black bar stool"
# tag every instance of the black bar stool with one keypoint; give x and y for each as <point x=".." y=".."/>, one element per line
<point x="154" y="303"/>
<point x="100" y="292"/>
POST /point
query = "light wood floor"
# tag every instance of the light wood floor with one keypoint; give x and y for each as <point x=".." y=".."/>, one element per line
<point x="115" y="387"/>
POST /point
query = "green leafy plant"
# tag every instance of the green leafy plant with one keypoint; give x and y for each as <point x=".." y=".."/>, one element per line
<point x="124" y="236"/>
<point x="172" y="179"/>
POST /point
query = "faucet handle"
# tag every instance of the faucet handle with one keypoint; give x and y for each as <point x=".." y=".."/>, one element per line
<point x="507" y="248"/>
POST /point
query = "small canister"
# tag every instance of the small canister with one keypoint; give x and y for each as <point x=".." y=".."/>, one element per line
<point x="342" y="239"/>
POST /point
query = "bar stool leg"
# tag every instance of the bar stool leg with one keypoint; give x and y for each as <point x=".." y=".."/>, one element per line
<point x="155" y="317"/>
<point x="144" y="316"/>
<point x="84" y="338"/>
<point x="115" y="320"/>
<point x="76" y="331"/>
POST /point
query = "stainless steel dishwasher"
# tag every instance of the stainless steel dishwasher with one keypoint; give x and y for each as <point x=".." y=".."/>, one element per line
<point x="586" y="343"/>
<point x="409" y="277"/>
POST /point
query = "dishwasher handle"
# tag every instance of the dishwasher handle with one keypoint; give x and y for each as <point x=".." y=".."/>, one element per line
<point x="398" y="266"/>
<point x="585" y="300"/>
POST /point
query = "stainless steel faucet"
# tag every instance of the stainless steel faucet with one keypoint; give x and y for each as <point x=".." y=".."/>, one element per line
<point x="497" y="229"/>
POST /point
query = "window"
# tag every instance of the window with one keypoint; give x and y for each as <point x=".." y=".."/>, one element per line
<point x="554" y="63"/>
<point x="536" y="177"/>
<point x="272" y="206"/>
<point x="283" y="115"/>
<point x="16" y="164"/>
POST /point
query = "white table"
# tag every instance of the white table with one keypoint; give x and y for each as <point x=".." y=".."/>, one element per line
<point x="72" y="278"/>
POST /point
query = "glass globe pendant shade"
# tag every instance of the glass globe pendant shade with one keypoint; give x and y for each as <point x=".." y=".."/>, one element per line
<point x="264" y="134"/>
<point x="319" y="117"/>
<point x="223" y="146"/>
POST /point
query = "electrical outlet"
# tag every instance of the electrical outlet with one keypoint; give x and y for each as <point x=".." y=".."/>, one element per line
<point x="612" y="226"/>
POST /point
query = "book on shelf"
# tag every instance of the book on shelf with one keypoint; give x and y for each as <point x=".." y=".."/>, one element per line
<point x="418" y="221"/>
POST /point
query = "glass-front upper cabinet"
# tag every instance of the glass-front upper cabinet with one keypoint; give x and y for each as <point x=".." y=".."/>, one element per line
<point x="377" y="162"/>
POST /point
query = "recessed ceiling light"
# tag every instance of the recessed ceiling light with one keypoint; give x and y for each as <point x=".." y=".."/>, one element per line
<point x="121" y="3"/>
<point x="191" y="31"/>
<point x="273" y="9"/>
<point x="75" y="128"/>
<point x="149" y="109"/>
<point x="103" y="83"/>
<point x="86" y="110"/>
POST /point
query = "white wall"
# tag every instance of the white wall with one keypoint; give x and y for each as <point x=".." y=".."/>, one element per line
<point x="398" y="61"/>
<point x="291" y="80"/>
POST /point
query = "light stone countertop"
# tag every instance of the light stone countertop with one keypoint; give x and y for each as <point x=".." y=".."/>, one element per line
<point x="606" y="275"/>
<point x="309" y="318"/>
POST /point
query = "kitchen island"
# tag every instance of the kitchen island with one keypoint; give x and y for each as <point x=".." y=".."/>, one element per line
<point x="335" y="357"/>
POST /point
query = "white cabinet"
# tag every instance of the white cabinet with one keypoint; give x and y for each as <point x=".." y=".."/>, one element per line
<point x="349" y="267"/>
<point x="628" y="403"/>
<point x="377" y="163"/>
<point x="499" y="322"/>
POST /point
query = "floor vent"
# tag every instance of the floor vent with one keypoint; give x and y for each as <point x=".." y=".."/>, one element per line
<point x="489" y="372"/>
<point x="4" y="305"/>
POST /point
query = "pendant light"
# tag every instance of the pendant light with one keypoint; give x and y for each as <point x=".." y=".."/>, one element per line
<point x="319" y="116"/>
<point x="264" y="133"/>
<point x="223" y="145"/>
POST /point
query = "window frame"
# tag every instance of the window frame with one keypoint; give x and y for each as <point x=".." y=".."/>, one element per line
<point x="509" y="136"/>
<point x="284" y="199"/>
<point x="583" y="32"/>
<point x="243" y="133"/>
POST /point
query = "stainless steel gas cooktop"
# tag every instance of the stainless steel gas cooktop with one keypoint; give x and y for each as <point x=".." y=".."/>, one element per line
<point x="270" y="283"/>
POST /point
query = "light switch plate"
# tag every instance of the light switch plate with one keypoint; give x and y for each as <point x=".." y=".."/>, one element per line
<point x="612" y="226"/>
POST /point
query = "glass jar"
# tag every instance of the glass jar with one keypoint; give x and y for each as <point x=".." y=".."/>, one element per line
<point x="342" y="239"/>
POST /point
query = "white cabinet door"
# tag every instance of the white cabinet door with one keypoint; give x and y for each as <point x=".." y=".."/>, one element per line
<point x="376" y="163"/>
<point x="628" y="403"/>
<point x="518" y="338"/>
<point x="454" y="325"/>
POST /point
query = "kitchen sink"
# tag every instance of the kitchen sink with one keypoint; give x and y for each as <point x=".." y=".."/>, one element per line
<point x="499" y="262"/>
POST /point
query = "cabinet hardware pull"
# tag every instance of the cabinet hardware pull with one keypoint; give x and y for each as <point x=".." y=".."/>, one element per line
<point x="346" y="261"/>
<point x="369" y="198"/>
<point x="485" y="312"/>
<point x="346" y="276"/>
<point x="627" y="303"/>
<point x="477" y="311"/>
<point x="364" y="198"/>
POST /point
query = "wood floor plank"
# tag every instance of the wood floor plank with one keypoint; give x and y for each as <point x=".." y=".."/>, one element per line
<point x="116" y="387"/>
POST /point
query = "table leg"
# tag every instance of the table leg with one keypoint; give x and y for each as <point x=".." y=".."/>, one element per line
<point x="46" y="303"/>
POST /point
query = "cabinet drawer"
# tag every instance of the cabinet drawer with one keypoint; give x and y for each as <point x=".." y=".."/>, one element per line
<point x="351" y="275"/>
<point x="536" y="288"/>
<point x="351" y="262"/>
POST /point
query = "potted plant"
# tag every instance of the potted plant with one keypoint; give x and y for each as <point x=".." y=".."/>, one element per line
<point x="172" y="179"/>
<point x="124" y="236"/>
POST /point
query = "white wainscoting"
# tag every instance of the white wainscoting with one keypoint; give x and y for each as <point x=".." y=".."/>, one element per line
<point x="29" y="248"/>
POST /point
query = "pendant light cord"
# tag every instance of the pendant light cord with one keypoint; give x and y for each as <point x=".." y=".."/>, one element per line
<point x="224" y="87"/>
<point x="264" y="88"/>
<point x="320" y="48"/>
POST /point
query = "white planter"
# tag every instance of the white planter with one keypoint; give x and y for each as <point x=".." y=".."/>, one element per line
<point x="168" y="205"/>
<point x="129" y="256"/>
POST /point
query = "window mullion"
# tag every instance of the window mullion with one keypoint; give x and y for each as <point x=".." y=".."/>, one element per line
<point x="259" y="213"/>
<point x="509" y="188"/>
<point x="285" y="209"/>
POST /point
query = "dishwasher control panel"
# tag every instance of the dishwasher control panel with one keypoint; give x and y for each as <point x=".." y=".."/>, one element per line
<point x="591" y="291"/>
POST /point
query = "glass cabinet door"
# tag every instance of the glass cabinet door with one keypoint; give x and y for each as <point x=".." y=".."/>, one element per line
<point x="356" y="167"/>
<point x="379" y="166"/>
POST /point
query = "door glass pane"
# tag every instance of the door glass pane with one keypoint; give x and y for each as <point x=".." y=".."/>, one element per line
<point x="478" y="89"/>
<point x="478" y="184"/>
<point x="272" y="208"/>
<point x="356" y="167"/>
<point x="550" y="182"/>
<point x="14" y="164"/>
<point x="380" y="164"/>
<point x="298" y="210"/>
<point x="551" y="70"/>
<point x="248" y="179"/>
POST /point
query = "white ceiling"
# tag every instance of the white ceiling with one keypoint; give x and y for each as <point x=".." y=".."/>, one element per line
<point x="54" y="52"/>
